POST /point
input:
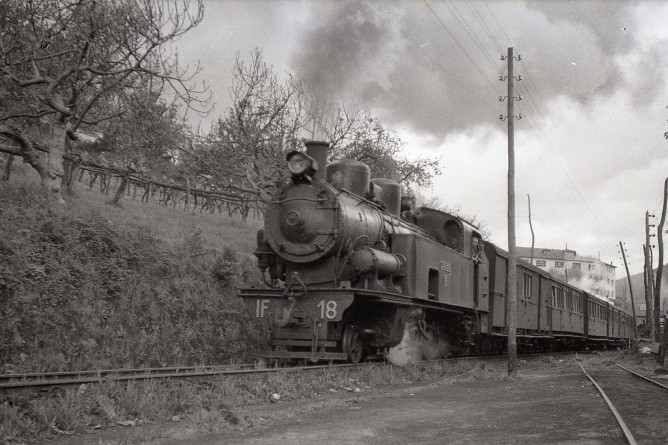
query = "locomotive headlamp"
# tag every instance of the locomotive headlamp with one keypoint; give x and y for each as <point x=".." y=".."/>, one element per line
<point x="300" y="164"/>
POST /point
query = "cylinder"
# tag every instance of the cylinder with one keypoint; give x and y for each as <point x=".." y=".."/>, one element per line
<point x="350" y="175"/>
<point x="388" y="193"/>
<point x="318" y="151"/>
<point x="368" y="260"/>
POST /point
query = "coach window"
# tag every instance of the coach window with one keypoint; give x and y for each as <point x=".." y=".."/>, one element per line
<point x="554" y="296"/>
<point x="528" y="281"/>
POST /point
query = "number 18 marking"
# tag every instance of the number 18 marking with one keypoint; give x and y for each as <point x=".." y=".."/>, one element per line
<point x="327" y="309"/>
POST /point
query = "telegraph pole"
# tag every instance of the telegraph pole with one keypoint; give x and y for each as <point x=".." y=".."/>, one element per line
<point x="633" y="303"/>
<point x="511" y="293"/>
<point x="649" y="280"/>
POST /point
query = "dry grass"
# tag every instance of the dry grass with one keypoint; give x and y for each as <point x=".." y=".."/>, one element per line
<point x="214" y="405"/>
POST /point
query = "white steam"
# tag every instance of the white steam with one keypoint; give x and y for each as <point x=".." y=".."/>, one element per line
<point x="416" y="346"/>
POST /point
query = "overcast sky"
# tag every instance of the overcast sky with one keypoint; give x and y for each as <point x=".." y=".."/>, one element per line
<point x="589" y="147"/>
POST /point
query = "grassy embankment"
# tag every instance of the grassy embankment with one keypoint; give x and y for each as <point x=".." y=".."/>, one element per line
<point x="91" y="286"/>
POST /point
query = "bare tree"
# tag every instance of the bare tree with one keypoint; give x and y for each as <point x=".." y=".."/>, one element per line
<point x="370" y="142"/>
<point x="66" y="64"/>
<point x="659" y="276"/>
<point x="244" y="153"/>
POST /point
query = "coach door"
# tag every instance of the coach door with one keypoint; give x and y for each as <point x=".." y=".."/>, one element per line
<point x="544" y="308"/>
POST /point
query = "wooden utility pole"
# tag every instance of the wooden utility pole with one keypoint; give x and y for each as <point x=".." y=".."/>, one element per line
<point x="531" y="227"/>
<point x="649" y="282"/>
<point x="511" y="292"/>
<point x="633" y="303"/>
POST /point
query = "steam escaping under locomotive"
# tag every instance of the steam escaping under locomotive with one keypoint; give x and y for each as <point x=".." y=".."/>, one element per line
<point x="353" y="269"/>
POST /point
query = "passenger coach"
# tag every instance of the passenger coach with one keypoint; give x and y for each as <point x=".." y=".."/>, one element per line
<point x="551" y="314"/>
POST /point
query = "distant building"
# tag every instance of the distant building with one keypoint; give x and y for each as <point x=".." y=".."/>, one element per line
<point x="584" y="272"/>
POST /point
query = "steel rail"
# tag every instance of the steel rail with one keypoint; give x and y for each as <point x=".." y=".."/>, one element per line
<point x="104" y="372"/>
<point x="112" y="377"/>
<point x="647" y="379"/>
<point x="625" y="429"/>
<point x="66" y="378"/>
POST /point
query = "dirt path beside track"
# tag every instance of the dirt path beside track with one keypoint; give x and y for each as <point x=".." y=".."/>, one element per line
<point x="544" y="405"/>
<point x="535" y="408"/>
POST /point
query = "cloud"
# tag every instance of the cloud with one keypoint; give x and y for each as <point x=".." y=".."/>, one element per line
<point x="435" y="68"/>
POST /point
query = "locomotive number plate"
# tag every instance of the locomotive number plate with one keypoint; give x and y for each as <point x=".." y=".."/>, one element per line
<point x="327" y="309"/>
<point x="260" y="307"/>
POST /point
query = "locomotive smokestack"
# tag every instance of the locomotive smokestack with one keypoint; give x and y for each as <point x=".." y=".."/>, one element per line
<point x="318" y="151"/>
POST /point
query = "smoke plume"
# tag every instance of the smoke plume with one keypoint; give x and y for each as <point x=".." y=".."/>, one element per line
<point x="421" y="65"/>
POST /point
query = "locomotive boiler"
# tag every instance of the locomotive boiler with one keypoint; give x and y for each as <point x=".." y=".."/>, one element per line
<point x="350" y="264"/>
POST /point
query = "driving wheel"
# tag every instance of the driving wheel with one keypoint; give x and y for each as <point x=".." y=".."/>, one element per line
<point x="352" y="343"/>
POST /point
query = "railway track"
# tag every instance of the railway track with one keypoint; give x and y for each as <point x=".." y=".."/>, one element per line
<point x="639" y="404"/>
<point x="62" y="379"/>
<point x="47" y="380"/>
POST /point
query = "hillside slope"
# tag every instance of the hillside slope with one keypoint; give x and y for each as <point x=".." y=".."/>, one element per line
<point x="637" y="281"/>
<point x="95" y="286"/>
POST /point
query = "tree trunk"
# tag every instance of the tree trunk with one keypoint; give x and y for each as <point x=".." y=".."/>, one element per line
<point x="48" y="163"/>
<point x="8" y="168"/>
<point x="74" y="171"/>
<point x="121" y="188"/>
<point x="659" y="271"/>
<point x="51" y="176"/>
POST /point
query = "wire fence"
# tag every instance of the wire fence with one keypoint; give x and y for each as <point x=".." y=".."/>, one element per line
<point x="168" y="192"/>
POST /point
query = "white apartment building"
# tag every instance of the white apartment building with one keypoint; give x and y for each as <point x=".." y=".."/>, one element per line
<point x="588" y="273"/>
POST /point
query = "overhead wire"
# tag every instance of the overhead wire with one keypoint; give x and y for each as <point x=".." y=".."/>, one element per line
<point x="445" y="71"/>
<point x="561" y="160"/>
<point x="469" y="31"/>
<point x="477" y="41"/>
<point x="460" y="46"/>
<point x="484" y="26"/>
<point x="495" y="43"/>
<point x="534" y="98"/>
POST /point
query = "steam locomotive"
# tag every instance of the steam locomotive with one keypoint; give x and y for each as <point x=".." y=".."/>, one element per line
<point x="353" y="269"/>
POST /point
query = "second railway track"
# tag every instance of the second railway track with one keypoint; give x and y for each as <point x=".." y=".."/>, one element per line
<point x="640" y="404"/>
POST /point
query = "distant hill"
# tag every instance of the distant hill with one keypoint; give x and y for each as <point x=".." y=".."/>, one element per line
<point x="622" y="290"/>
